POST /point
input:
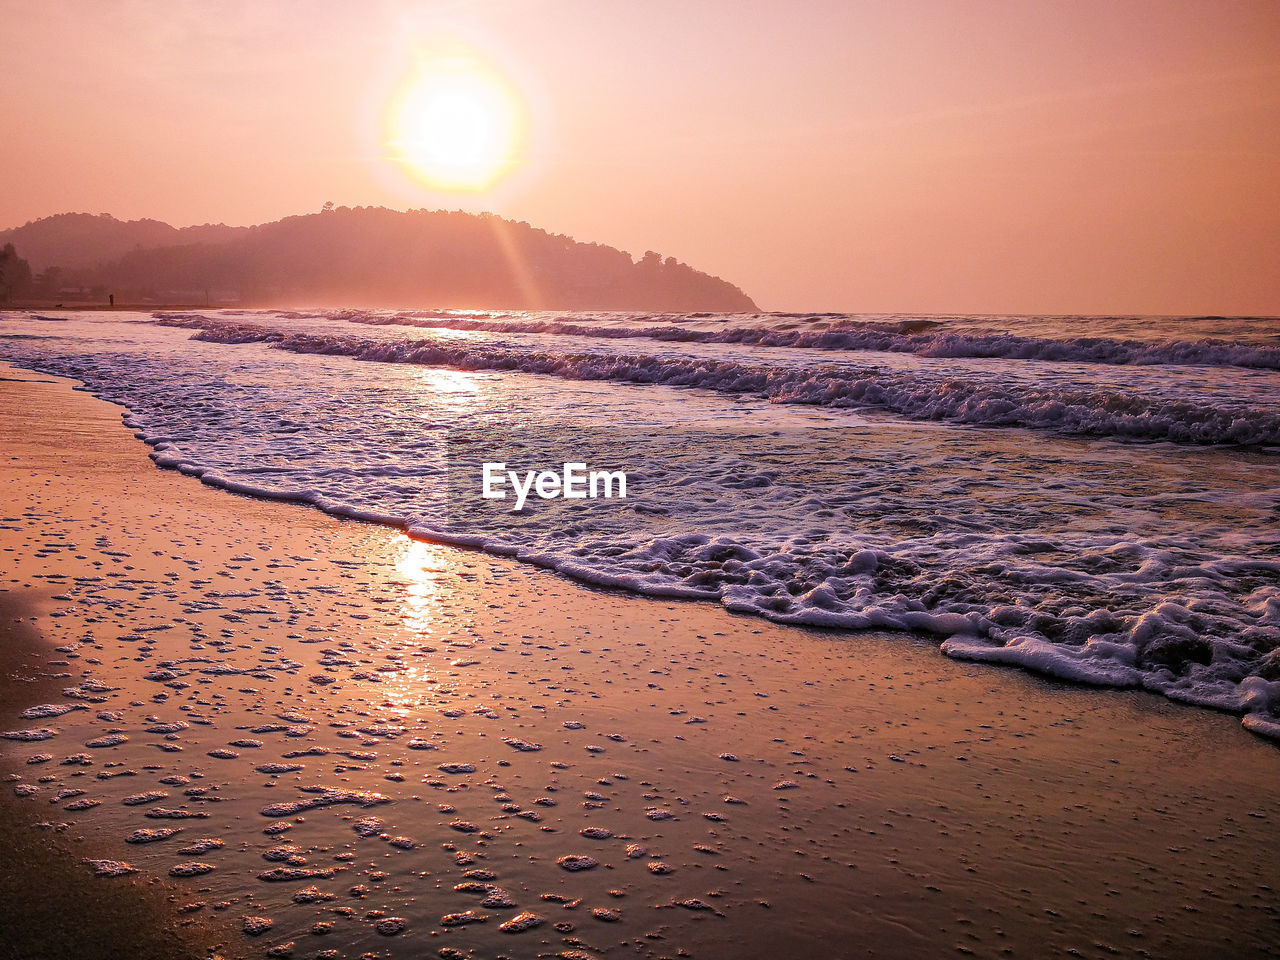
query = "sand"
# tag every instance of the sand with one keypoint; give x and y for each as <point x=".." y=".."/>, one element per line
<point x="369" y="744"/>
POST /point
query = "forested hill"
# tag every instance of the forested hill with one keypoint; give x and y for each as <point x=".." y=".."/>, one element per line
<point x="362" y="256"/>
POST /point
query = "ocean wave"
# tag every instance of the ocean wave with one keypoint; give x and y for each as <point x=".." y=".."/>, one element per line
<point x="917" y="395"/>
<point x="922" y="337"/>
<point x="1154" y="568"/>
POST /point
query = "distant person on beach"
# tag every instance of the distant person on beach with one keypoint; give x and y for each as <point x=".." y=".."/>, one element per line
<point x="111" y="299"/>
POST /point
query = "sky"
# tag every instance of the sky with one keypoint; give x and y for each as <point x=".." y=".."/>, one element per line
<point x="865" y="155"/>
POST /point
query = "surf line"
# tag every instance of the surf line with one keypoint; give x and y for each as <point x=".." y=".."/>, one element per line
<point x="574" y="482"/>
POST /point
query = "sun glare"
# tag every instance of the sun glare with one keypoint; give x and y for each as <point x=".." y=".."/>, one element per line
<point x="456" y="125"/>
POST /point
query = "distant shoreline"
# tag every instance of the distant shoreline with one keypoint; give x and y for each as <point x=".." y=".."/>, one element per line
<point x="76" y="306"/>
<point x="80" y="306"/>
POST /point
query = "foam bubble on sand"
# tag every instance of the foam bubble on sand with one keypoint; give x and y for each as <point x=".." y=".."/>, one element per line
<point x="524" y="746"/>
<point x="203" y="845"/>
<point x="150" y="796"/>
<point x="312" y="895"/>
<point x="457" y="768"/>
<point x="309" y="752"/>
<point x="498" y="899"/>
<point x="175" y="726"/>
<point x="151" y="835"/>
<point x="44" y="711"/>
<point x="278" y="768"/>
<point x="286" y="853"/>
<point x="111" y="868"/>
<point x="108" y="740"/>
<point x="288" y="874"/>
<point x="192" y="868"/>
<point x="463" y="918"/>
<point x="521" y="922"/>
<point x="30" y="736"/>
<point x="175" y="813"/>
<point x="577" y="862"/>
<point x="328" y="797"/>
<point x="256" y="926"/>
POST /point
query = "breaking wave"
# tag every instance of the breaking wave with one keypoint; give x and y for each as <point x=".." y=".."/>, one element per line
<point x="922" y="337"/>
<point x="986" y="401"/>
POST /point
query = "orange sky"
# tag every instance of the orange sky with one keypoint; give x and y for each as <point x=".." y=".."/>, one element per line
<point x="864" y="155"/>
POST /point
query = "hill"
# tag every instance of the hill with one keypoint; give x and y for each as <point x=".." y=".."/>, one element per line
<point x="361" y="256"/>
<point x="80" y="240"/>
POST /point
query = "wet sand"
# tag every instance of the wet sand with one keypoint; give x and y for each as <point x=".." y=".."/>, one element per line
<point x="373" y="742"/>
<point x="42" y="871"/>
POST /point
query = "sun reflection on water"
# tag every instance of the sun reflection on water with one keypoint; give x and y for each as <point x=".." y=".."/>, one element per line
<point x="421" y="565"/>
<point x="458" y="383"/>
<point x="421" y="569"/>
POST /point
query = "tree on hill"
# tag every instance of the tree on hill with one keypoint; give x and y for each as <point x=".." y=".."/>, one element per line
<point x="15" y="274"/>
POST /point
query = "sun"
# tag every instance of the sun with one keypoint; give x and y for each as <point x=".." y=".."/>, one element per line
<point x="455" y="124"/>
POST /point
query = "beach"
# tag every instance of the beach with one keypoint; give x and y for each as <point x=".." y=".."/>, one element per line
<point x="713" y="481"/>
<point x="382" y="744"/>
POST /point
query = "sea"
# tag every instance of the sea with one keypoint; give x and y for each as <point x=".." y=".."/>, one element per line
<point x="1095" y="499"/>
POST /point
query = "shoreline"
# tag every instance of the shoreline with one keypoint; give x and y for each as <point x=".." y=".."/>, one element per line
<point x="1047" y="663"/>
<point x="927" y="791"/>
